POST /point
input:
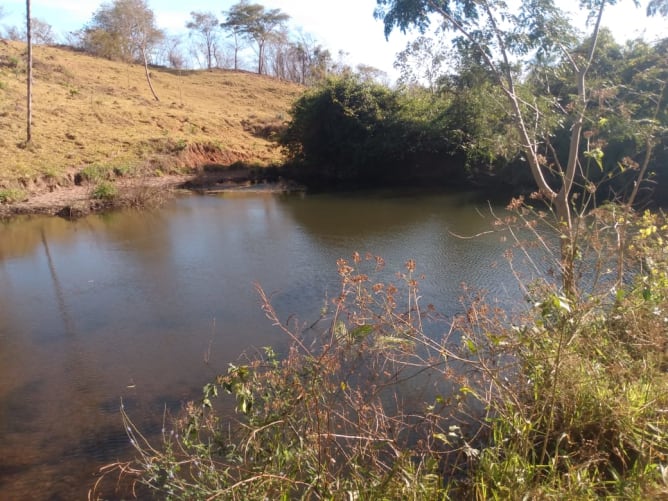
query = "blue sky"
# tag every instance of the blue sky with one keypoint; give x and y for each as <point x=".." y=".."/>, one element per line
<point x="346" y="25"/>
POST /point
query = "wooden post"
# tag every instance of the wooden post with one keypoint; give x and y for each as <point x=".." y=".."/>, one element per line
<point x="29" y="72"/>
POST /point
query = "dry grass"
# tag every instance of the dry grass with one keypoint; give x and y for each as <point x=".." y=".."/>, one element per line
<point x="93" y="112"/>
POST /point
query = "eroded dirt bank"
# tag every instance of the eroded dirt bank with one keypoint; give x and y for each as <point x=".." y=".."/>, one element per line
<point x="78" y="200"/>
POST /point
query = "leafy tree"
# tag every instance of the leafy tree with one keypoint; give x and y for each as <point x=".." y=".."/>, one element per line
<point x="335" y="130"/>
<point x="624" y="119"/>
<point x="422" y="62"/>
<point x="125" y="30"/>
<point x="507" y="42"/>
<point x="352" y="130"/>
<point x="257" y="24"/>
<point x="205" y="25"/>
<point x="370" y="73"/>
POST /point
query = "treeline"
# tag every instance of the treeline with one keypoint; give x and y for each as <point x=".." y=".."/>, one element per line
<point x="247" y="36"/>
<point x="451" y="126"/>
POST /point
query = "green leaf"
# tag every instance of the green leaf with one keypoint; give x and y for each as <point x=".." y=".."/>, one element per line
<point x="596" y="155"/>
<point x="442" y="437"/>
<point x="361" y="331"/>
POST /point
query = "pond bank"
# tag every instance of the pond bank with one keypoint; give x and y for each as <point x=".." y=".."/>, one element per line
<point x="78" y="200"/>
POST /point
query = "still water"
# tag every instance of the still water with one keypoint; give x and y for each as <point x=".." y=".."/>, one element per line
<point x="148" y="306"/>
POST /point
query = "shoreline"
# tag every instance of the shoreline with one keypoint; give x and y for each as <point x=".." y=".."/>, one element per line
<point x="76" y="201"/>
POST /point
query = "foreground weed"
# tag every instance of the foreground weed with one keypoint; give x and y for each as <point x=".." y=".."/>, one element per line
<point x="566" y="399"/>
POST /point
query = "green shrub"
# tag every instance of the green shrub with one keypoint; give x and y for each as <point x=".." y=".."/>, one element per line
<point x="11" y="195"/>
<point x="104" y="190"/>
<point x="337" y="130"/>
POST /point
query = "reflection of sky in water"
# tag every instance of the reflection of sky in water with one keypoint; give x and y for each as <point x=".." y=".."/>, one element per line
<point x="127" y="304"/>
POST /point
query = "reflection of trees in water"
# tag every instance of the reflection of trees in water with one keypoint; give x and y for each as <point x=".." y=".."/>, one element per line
<point x="21" y="236"/>
<point x="161" y="277"/>
<point x="378" y="213"/>
<point x="68" y="323"/>
<point x="396" y="226"/>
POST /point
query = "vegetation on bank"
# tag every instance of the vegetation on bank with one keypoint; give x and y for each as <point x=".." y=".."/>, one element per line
<point x="94" y="119"/>
<point x="350" y="130"/>
<point x="344" y="130"/>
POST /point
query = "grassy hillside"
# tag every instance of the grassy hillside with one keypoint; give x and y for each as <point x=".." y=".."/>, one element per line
<point x="95" y="114"/>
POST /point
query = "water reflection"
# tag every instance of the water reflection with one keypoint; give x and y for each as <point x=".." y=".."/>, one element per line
<point x="148" y="306"/>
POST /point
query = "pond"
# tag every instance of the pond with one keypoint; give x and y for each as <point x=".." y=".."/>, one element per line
<point x="147" y="307"/>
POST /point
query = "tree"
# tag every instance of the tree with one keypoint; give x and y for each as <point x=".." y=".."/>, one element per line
<point x="42" y="32"/>
<point x="205" y="25"/>
<point x="422" y="62"/>
<point x="125" y="30"/>
<point x="338" y="131"/>
<point x="173" y="53"/>
<point x="303" y="61"/>
<point x="507" y="42"/>
<point x="237" y="42"/>
<point x="257" y="24"/>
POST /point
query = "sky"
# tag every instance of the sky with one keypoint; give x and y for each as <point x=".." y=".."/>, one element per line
<point x="344" y="25"/>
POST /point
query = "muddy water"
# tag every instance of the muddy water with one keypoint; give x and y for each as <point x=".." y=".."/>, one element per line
<point x="146" y="307"/>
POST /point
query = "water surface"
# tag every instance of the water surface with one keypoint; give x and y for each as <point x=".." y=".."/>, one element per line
<point x="148" y="306"/>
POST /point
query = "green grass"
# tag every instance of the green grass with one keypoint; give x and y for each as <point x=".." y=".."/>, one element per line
<point x="11" y="195"/>
<point x="104" y="190"/>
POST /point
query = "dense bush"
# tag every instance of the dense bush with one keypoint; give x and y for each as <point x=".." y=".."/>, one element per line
<point x="337" y="129"/>
<point x="352" y="131"/>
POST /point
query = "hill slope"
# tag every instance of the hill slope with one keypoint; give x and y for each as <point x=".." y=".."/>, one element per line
<point x="91" y="113"/>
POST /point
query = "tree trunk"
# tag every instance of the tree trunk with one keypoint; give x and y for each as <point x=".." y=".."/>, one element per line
<point x="148" y="75"/>
<point x="260" y="65"/>
<point x="567" y="243"/>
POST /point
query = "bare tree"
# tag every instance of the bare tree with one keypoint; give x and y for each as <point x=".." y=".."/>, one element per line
<point x="205" y="26"/>
<point x="237" y="43"/>
<point x="42" y="32"/>
<point x="175" y="57"/>
<point x="15" y="34"/>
